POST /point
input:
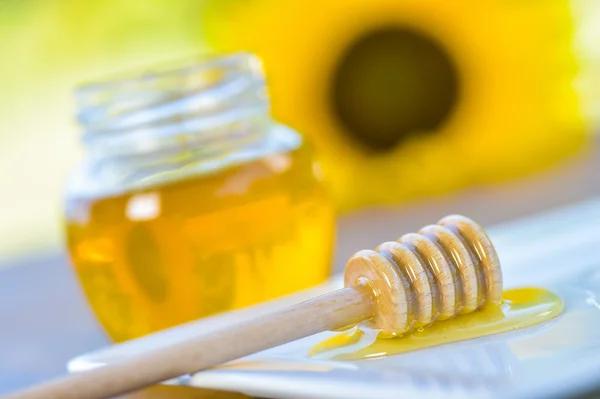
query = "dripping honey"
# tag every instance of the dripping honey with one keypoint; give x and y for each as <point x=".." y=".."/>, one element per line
<point x="520" y="308"/>
<point x="182" y="250"/>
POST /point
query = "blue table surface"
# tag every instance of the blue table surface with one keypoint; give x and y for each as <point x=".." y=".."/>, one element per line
<point x="38" y="299"/>
<point x="45" y="321"/>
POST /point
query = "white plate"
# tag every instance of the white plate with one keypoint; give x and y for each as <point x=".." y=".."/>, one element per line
<point x="558" y="250"/>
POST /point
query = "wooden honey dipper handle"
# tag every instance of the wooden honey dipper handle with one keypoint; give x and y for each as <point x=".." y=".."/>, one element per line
<point x="328" y="312"/>
<point x="447" y="269"/>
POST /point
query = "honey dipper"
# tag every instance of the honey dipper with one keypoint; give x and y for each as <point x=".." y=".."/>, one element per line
<point x="446" y="269"/>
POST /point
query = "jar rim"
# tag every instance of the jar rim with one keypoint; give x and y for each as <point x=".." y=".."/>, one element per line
<point x="170" y="69"/>
<point x="216" y="102"/>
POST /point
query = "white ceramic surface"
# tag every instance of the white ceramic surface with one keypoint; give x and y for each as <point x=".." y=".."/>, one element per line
<point x="558" y="250"/>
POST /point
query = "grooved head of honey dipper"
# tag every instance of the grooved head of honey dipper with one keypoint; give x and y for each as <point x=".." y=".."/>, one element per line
<point x="383" y="277"/>
<point x="446" y="269"/>
<point x="482" y="248"/>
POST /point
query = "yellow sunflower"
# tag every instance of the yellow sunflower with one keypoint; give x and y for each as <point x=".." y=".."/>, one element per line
<point x="414" y="97"/>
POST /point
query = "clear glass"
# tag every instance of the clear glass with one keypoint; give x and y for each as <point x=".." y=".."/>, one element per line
<point x="191" y="200"/>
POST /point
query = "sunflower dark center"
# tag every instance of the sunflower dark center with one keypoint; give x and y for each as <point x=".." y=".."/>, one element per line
<point x="392" y="83"/>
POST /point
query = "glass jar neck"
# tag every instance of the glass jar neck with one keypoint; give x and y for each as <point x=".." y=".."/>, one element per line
<point x="172" y="124"/>
<point x="207" y="109"/>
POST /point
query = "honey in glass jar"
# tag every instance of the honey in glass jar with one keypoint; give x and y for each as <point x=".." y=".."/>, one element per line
<point x="191" y="200"/>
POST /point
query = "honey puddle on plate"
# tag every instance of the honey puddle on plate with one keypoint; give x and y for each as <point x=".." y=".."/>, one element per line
<point x="520" y="308"/>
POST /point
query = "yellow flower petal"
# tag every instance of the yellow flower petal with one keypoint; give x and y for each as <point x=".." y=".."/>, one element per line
<point x="516" y="110"/>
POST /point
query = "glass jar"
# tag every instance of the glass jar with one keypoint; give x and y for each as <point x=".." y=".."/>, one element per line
<point x="191" y="200"/>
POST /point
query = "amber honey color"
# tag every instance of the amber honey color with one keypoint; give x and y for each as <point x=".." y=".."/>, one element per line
<point x="520" y="308"/>
<point x="186" y="249"/>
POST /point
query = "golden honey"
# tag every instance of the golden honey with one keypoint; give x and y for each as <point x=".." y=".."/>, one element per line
<point x="168" y="254"/>
<point x="191" y="200"/>
<point x="520" y="308"/>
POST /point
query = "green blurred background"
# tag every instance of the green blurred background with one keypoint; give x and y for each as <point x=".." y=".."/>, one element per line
<point x="47" y="47"/>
